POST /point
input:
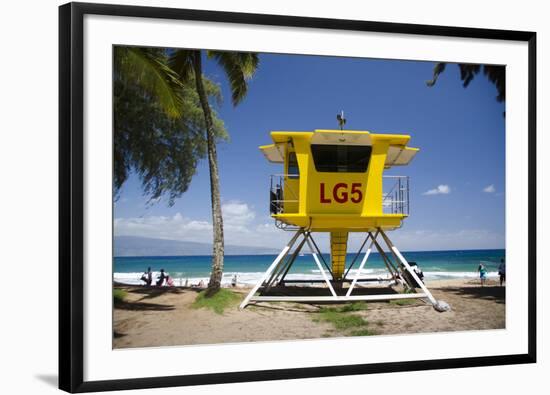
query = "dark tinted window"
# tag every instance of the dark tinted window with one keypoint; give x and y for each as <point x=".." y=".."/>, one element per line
<point x="293" y="170"/>
<point x="341" y="158"/>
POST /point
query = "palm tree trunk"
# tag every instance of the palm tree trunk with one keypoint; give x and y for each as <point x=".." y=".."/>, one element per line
<point x="217" y="220"/>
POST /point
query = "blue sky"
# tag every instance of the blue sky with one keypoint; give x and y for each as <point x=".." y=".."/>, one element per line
<point x="457" y="178"/>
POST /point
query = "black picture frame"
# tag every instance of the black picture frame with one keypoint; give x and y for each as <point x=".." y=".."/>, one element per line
<point x="71" y="195"/>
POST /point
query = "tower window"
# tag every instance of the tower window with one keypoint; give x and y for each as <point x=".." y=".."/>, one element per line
<point x="341" y="158"/>
<point x="293" y="170"/>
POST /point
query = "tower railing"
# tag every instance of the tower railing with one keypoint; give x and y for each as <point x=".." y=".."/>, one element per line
<point x="284" y="199"/>
<point x="395" y="198"/>
<point x="281" y="194"/>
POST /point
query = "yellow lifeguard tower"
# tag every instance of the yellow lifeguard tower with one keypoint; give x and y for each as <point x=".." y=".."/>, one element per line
<point x="332" y="181"/>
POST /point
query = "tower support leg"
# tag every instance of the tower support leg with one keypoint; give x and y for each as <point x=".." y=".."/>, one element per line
<point x="408" y="268"/>
<point x="356" y="256"/>
<point x="389" y="264"/>
<point x="275" y="263"/>
<point x="286" y="269"/>
<point x="325" y="277"/>
<point x="280" y="267"/>
<point x="362" y="265"/>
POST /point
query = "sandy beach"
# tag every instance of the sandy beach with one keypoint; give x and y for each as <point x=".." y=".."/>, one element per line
<point x="166" y="316"/>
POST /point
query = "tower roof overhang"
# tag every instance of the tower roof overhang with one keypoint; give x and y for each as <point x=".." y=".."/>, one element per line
<point x="398" y="153"/>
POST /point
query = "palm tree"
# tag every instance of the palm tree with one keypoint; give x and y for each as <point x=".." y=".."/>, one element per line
<point x="159" y="128"/>
<point x="239" y="67"/>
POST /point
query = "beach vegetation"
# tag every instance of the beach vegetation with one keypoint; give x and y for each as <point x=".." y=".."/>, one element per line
<point x="362" y="332"/>
<point x="403" y="302"/>
<point x="119" y="295"/>
<point x="355" y="306"/>
<point x="217" y="302"/>
<point x="341" y="321"/>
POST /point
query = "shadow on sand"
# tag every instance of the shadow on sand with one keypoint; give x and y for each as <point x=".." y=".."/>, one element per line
<point x="139" y="306"/>
<point x="322" y="291"/>
<point x="153" y="292"/>
<point x="149" y="293"/>
<point x="494" y="293"/>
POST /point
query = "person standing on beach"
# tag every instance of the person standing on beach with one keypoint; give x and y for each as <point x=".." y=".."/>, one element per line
<point x="161" y="278"/>
<point x="502" y="271"/>
<point x="482" y="273"/>
<point x="234" y="281"/>
<point x="147" y="277"/>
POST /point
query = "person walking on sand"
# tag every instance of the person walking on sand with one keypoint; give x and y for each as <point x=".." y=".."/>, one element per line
<point x="234" y="281"/>
<point x="482" y="273"/>
<point x="502" y="271"/>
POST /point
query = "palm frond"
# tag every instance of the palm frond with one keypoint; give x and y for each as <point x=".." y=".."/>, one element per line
<point x="497" y="75"/>
<point x="467" y="72"/>
<point x="181" y="61"/>
<point x="438" y="69"/>
<point x="149" y="69"/>
<point x="494" y="73"/>
<point x="213" y="90"/>
<point x="239" y="68"/>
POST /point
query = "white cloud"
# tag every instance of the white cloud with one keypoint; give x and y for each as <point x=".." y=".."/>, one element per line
<point x="263" y="233"/>
<point x="176" y="227"/>
<point x="442" y="189"/>
<point x="237" y="214"/>
<point x="429" y="239"/>
<point x="489" y="189"/>
<point x="240" y="229"/>
<point x="243" y="227"/>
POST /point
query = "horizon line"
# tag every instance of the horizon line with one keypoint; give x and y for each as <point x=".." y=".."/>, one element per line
<point x="306" y="253"/>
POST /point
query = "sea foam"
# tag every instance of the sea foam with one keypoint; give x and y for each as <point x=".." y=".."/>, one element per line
<point x="251" y="278"/>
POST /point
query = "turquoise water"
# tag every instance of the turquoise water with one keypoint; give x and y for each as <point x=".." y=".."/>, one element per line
<point x="249" y="268"/>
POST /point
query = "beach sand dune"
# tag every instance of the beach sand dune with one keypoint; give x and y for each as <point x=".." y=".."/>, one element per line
<point x="166" y="317"/>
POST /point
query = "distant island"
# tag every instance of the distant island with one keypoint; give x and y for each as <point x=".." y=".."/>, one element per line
<point x="146" y="246"/>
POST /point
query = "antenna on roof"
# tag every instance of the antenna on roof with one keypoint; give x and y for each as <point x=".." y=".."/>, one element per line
<point x="341" y="119"/>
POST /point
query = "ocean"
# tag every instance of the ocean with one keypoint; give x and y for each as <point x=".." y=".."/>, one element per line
<point x="249" y="268"/>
